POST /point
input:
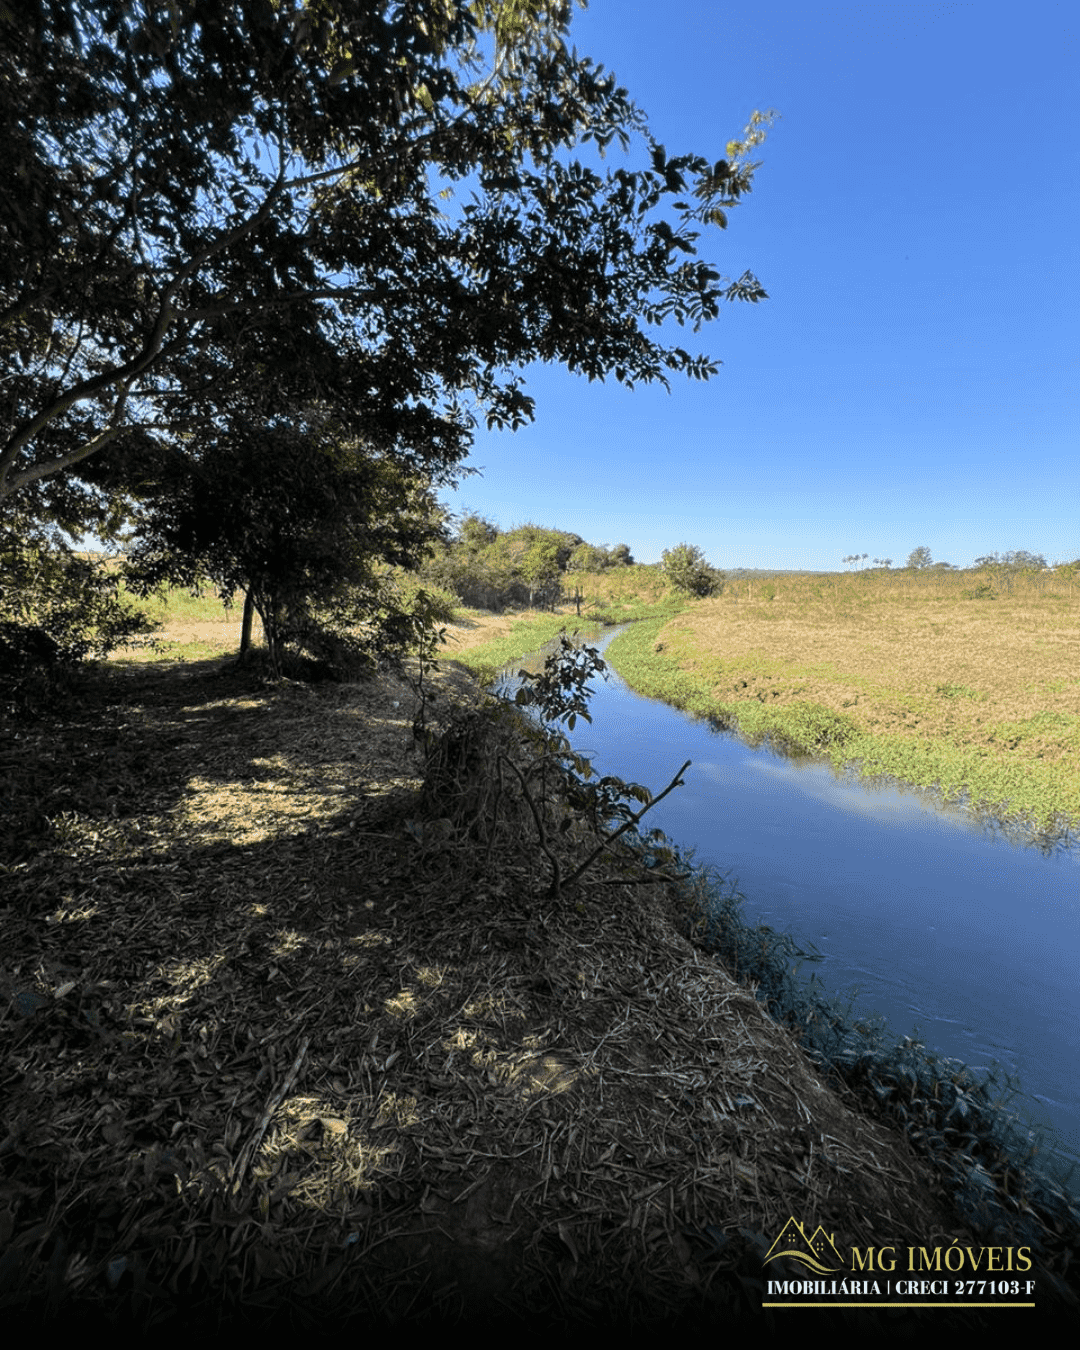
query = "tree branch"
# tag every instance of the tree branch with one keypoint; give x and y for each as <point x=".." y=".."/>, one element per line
<point x="124" y="374"/>
<point x="630" y="824"/>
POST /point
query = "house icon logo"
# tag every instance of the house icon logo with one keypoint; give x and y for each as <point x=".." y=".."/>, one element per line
<point x="817" y="1253"/>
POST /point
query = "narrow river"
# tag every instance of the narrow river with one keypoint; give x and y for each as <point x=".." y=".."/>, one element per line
<point x="948" y="930"/>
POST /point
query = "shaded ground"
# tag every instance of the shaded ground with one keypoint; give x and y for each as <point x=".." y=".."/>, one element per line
<point x="287" y="1035"/>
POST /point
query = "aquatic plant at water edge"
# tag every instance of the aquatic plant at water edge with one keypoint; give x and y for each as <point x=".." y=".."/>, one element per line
<point x="994" y="1166"/>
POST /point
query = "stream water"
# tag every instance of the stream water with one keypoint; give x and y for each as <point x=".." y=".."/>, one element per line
<point x="944" y="926"/>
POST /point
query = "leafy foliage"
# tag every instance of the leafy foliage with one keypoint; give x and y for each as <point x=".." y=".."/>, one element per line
<point x="226" y="227"/>
<point x="491" y="773"/>
<point x="688" y="571"/>
<point x="198" y="207"/>
<point x="491" y="569"/>
<point x="559" y="693"/>
<point x="919" y="558"/>
<point x="56" y="608"/>
<point x="303" y="522"/>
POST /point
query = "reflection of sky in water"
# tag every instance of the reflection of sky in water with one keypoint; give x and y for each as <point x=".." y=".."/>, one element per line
<point x="943" y="925"/>
<point x="874" y="802"/>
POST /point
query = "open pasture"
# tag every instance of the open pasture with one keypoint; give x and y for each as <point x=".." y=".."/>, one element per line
<point x="968" y="681"/>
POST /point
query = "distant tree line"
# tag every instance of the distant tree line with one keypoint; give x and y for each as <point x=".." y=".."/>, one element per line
<point x="488" y="568"/>
<point x="1017" y="560"/>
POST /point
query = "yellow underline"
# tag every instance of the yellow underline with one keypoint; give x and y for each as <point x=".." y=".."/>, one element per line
<point x="833" y="1304"/>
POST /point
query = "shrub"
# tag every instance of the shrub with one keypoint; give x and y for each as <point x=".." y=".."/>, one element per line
<point x="56" y="609"/>
<point x="687" y="570"/>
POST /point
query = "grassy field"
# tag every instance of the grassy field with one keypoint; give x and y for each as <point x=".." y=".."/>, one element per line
<point x="193" y="628"/>
<point x="965" y="682"/>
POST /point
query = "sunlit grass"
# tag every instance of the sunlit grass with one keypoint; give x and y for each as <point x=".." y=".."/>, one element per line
<point x="176" y="602"/>
<point x="190" y="627"/>
<point x="533" y="631"/>
<point x="526" y="635"/>
<point x="163" y="650"/>
<point x="901" y="676"/>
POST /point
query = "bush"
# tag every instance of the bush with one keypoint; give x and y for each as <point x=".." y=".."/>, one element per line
<point x="56" y="609"/>
<point x="687" y="570"/>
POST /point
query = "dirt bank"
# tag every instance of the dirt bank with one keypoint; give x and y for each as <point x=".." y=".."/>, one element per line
<point x="290" y="1038"/>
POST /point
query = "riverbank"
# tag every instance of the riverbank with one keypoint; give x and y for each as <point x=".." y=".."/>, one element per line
<point x="976" y="699"/>
<point x="523" y="632"/>
<point x="289" y="1039"/>
<point x="928" y="1092"/>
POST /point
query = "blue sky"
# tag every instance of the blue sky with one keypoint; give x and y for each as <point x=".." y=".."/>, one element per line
<point x="914" y="378"/>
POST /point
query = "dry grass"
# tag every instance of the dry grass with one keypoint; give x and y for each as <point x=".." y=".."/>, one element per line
<point x="982" y="694"/>
<point x="1010" y="663"/>
<point x="276" y="1049"/>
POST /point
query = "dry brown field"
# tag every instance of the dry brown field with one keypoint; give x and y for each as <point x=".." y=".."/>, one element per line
<point x="980" y="696"/>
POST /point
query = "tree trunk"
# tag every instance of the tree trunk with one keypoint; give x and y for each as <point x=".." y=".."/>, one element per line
<point x="245" y="628"/>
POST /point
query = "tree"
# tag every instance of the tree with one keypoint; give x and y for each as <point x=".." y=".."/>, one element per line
<point x="540" y="570"/>
<point x="919" y="557"/>
<point x="476" y="532"/>
<point x="1018" y="560"/>
<point x="587" y="558"/>
<point x="302" y="521"/>
<point x="192" y="201"/>
<point x="217" y="215"/>
<point x="686" y="568"/>
<point x="55" y="609"/>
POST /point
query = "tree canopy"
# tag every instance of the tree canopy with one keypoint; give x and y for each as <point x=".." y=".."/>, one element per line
<point x="920" y="557"/>
<point x="270" y="211"/>
<point x="1016" y="560"/>
<point x="689" y="572"/>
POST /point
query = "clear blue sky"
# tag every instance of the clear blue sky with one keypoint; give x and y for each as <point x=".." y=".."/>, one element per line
<point x="914" y="377"/>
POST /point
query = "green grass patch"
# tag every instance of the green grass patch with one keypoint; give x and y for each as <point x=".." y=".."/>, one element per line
<point x="657" y="673"/>
<point x="631" y="609"/>
<point x="527" y="635"/>
<point x="1026" y="771"/>
<point x="958" y="691"/>
<point x="800" y="728"/>
<point x="163" y="650"/>
<point x="1044" y="734"/>
<point x="176" y="602"/>
<point x="1010" y="788"/>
